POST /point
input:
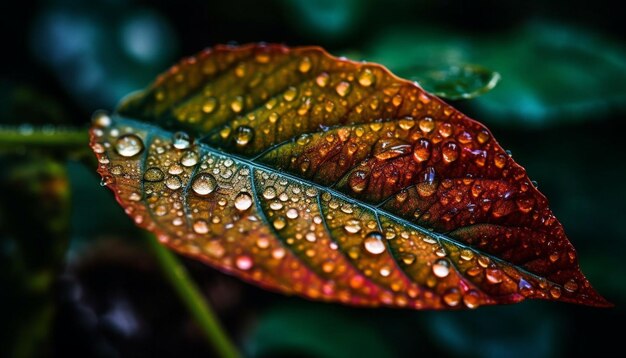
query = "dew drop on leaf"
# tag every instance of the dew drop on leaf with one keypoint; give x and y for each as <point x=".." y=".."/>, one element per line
<point x="200" y="227"/>
<point x="426" y="124"/>
<point x="452" y="297"/>
<point x="189" y="159"/>
<point x="153" y="174"/>
<point x="128" y="145"/>
<point x="450" y="152"/>
<point x="441" y="268"/>
<point x="181" y="140"/>
<point x="173" y="182"/>
<point x="374" y="244"/>
<point x="342" y="88"/>
<point x="366" y="78"/>
<point x="358" y="181"/>
<point x="244" y="262"/>
<point x="421" y="151"/>
<point x="269" y="193"/>
<point x="493" y="275"/>
<point x="471" y="299"/>
<point x="244" y="135"/>
<point x="243" y="201"/>
<point x="204" y="184"/>
<point x="352" y="226"/>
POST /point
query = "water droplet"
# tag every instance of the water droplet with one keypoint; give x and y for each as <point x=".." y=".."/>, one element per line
<point x="279" y="223"/>
<point x="290" y="94"/>
<point x="237" y="104"/>
<point x="134" y="197"/>
<point x="408" y="259"/>
<point x="466" y="254"/>
<point x="292" y="213"/>
<point x="101" y="119"/>
<point x="450" y="152"/>
<point x="386" y="149"/>
<point x="421" y="151"/>
<point x="204" y="184"/>
<point x="471" y="299"/>
<point x="374" y="243"/>
<point x="464" y="137"/>
<point x="366" y="78"/>
<point x="210" y="105"/>
<point x="175" y="169"/>
<point x="117" y="170"/>
<point x="452" y="297"/>
<point x="305" y="65"/>
<point x="493" y="275"/>
<point x="524" y="287"/>
<point x="525" y="204"/>
<point x="328" y="266"/>
<point x="570" y="286"/>
<point x="189" y="158"/>
<point x="358" y="181"/>
<point x="200" y="227"/>
<point x="244" y="262"/>
<point x="269" y="193"/>
<point x="153" y="174"/>
<point x="128" y="145"/>
<point x="263" y="242"/>
<point x="181" y="140"/>
<point x="385" y="271"/>
<point x="426" y="124"/>
<point x="427" y="186"/>
<point x="244" y="135"/>
<point x="483" y="136"/>
<point x="445" y="129"/>
<point x="483" y="261"/>
<point x="441" y="268"/>
<point x="160" y="210"/>
<point x="343" y="88"/>
<point x="555" y="292"/>
<point x="243" y="201"/>
<point x="397" y="100"/>
<point x="352" y="226"/>
<point x="173" y="182"/>
<point x="500" y="160"/>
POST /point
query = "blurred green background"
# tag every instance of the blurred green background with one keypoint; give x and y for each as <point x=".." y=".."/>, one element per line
<point x="75" y="278"/>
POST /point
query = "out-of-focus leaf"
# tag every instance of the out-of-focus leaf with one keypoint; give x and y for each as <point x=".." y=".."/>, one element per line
<point x="328" y="333"/>
<point x="34" y="217"/>
<point x="550" y="73"/>
<point x="454" y="82"/>
<point x="333" y="180"/>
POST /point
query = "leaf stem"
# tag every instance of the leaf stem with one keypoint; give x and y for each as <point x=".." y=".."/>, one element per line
<point x="189" y="293"/>
<point x="43" y="137"/>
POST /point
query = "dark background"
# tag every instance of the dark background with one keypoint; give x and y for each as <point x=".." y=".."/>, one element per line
<point x="76" y="279"/>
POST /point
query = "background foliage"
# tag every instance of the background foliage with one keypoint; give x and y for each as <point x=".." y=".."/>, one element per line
<point x="76" y="278"/>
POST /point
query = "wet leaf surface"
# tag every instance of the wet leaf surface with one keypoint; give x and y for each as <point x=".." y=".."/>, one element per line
<point x="333" y="180"/>
<point x="454" y="82"/>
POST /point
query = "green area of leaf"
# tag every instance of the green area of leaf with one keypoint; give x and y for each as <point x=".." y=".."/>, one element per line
<point x="550" y="73"/>
<point x="453" y="82"/>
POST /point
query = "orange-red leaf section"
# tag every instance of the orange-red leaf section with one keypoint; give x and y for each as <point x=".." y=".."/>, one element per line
<point x="334" y="180"/>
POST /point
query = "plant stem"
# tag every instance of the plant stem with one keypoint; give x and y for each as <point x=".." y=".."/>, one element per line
<point x="43" y="137"/>
<point x="193" y="299"/>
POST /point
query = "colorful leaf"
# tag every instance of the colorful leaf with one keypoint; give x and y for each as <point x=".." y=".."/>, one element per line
<point x="334" y="180"/>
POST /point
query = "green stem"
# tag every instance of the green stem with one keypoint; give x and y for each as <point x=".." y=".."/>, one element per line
<point x="195" y="302"/>
<point x="43" y="137"/>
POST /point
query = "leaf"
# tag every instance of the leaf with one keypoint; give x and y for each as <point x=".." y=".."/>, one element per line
<point x="551" y="73"/>
<point x="333" y="180"/>
<point x="455" y="82"/>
